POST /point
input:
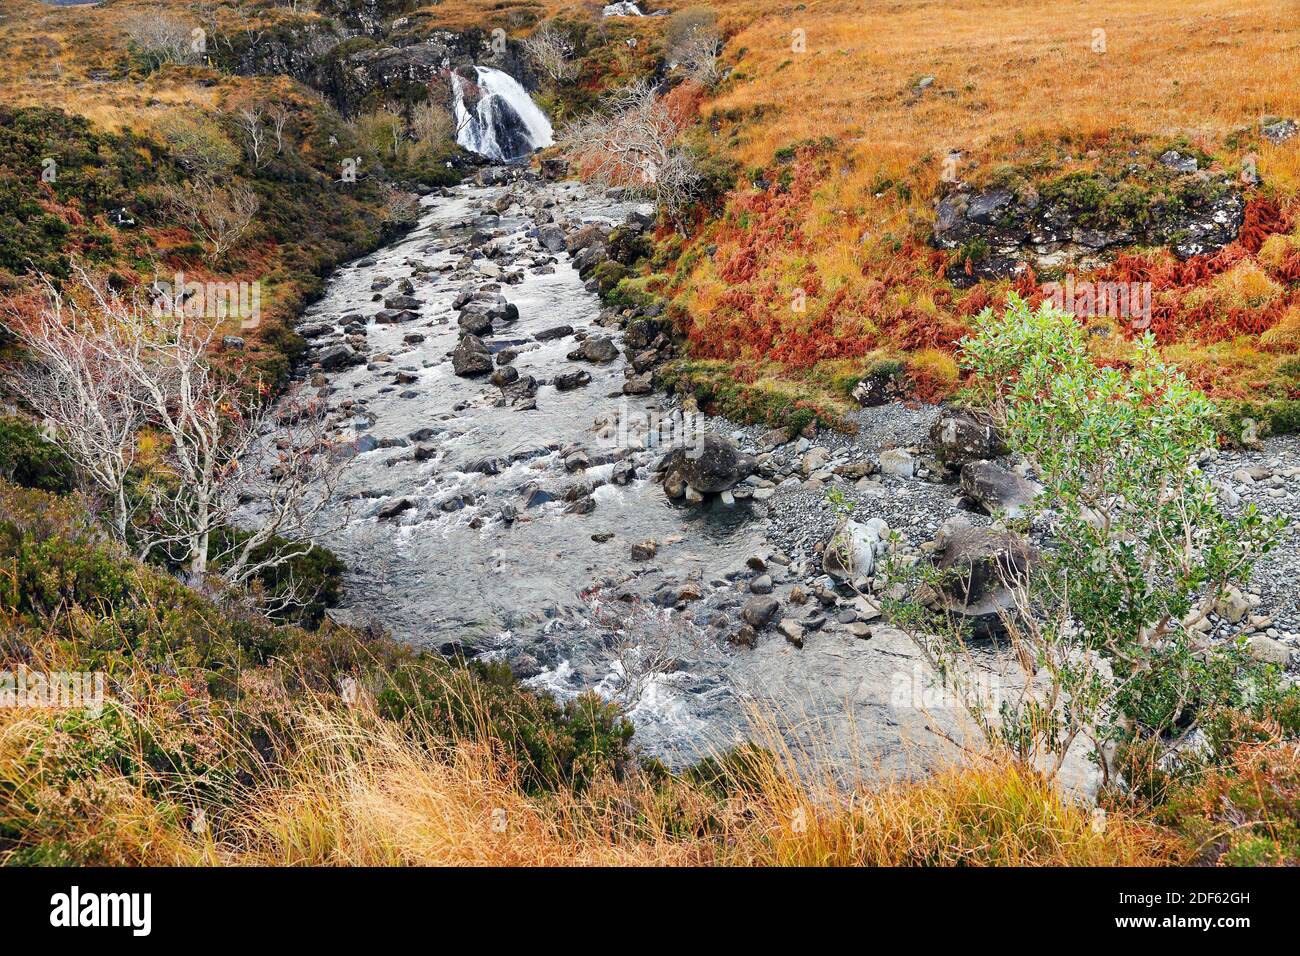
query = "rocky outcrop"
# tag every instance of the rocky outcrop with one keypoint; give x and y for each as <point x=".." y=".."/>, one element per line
<point x="1079" y="220"/>
<point x="367" y="17"/>
<point x="367" y="52"/>
<point x="880" y="386"/>
<point x="1278" y="131"/>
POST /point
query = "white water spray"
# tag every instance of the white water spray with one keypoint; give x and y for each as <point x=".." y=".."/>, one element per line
<point x="504" y="124"/>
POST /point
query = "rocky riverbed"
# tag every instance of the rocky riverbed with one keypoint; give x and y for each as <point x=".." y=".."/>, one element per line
<point x="511" y="496"/>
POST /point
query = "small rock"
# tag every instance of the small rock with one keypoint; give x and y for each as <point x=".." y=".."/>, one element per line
<point x="395" y="508"/>
<point x="1232" y="605"/>
<point x="1266" y="650"/>
<point x="759" y="611"/>
<point x="575" y="378"/>
<point x="897" y="462"/>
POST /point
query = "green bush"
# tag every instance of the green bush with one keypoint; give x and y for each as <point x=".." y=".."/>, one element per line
<point x="315" y="577"/>
<point x="87" y="170"/>
<point x="27" y="459"/>
<point x="1140" y="550"/>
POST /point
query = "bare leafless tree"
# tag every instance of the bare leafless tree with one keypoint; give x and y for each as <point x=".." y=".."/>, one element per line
<point x="262" y="127"/>
<point x="551" y="52"/>
<point x="643" y="644"/>
<point x="279" y="117"/>
<point x="238" y="492"/>
<point x="694" y="44"/>
<point x="635" y="141"/>
<point x="159" y="39"/>
<point x="220" y="215"/>
<point x="87" y="400"/>
<point x="697" y="53"/>
<point x="250" y="120"/>
<point x="431" y="124"/>
<point x="400" y="205"/>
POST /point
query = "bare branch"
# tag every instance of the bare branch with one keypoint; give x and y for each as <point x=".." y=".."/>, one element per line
<point x="633" y="142"/>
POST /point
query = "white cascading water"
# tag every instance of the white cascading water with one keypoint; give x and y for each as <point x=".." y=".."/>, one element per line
<point x="505" y="124"/>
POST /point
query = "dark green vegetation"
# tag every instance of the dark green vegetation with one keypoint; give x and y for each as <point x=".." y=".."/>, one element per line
<point x="217" y="684"/>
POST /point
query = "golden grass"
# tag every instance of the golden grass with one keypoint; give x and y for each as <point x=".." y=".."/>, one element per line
<point x="365" y="791"/>
<point x="1014" y="81"/>
<point x="1193" y="68"/>
<point x="362" y="793"/>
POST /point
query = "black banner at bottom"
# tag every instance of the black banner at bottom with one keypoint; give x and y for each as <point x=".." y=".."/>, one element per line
<point x="233" y="906"/>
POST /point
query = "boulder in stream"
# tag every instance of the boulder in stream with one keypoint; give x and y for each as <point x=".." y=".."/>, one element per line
<point x="711" y="464"/>
<point x="471" y="357"/>
<point x="996" y="490"/>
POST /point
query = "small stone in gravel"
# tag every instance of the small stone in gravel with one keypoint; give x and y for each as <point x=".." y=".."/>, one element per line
<point x="897" y="462"/>
<point x="1266" y="650"/>
<point x="744" y="637"/>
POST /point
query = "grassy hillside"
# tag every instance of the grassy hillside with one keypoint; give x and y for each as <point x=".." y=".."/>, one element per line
<point x="96" y="134"/>
<point x="843" y="117"/>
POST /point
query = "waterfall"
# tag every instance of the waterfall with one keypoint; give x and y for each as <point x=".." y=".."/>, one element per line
<point x="503" y="123"/>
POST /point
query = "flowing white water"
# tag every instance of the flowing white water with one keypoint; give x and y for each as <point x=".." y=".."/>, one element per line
<point x="504" y="123"/>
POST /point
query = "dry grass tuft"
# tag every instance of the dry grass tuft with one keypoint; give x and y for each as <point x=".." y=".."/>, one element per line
<point x="363" y="791"/>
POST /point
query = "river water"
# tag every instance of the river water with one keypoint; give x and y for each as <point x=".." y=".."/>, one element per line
<point x="571" y="612"/>
<point x="449" y="570"/>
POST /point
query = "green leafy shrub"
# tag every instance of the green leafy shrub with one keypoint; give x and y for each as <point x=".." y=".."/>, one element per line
<point x="49" y="158"/>
<point x="1140" y="550"/>
<point x="27" y="459"/>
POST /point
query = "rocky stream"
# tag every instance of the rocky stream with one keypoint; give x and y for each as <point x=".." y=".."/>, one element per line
<point x="520" y="489"/>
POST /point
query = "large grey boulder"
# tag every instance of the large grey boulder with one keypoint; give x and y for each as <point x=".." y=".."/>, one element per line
<point x="599" y="350"/>
<point x="711" y="464"/>
<point x="551" y="237"/>
<point x="586" y="237"/>
<point x="852" y="550"/>
<point x="1266" y="650"/>
<point x="997" y="490"/>
<point x="471" y="357"/>
<point x="339" y="356"/>
<point x="522" y="389"/>
<point x="475" y="323"/>
<point x="960" y="436"/>
<point x="978" y="569"/>
<point x="759" y="611"/>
